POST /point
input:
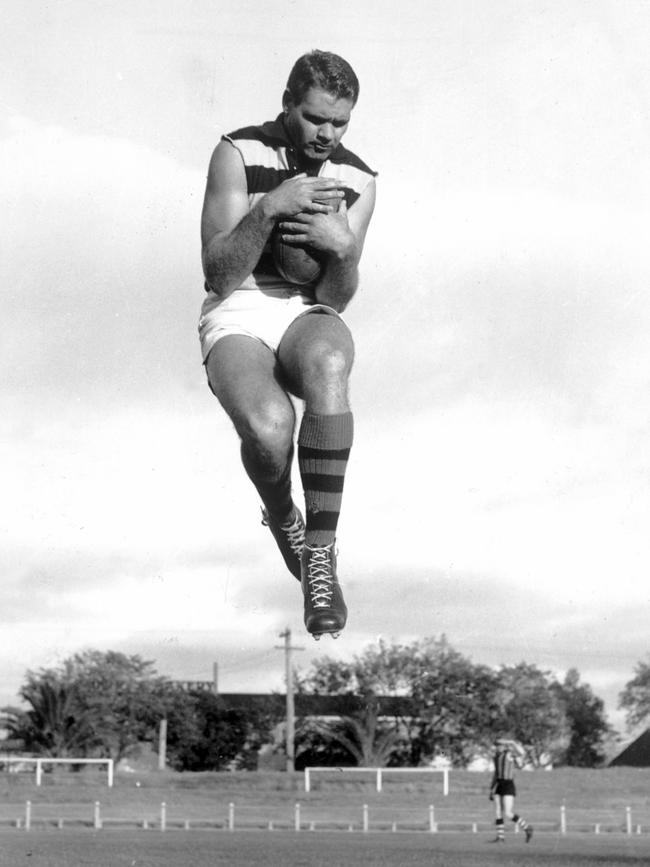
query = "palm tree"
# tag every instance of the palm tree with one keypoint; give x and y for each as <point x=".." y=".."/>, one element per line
<point x="368" y="741"/>
<point x="54" y="724"/>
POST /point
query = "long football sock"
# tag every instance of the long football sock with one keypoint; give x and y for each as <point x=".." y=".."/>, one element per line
<point x="324" y="443"/>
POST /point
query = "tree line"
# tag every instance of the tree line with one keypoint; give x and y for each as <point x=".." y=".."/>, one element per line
<point x="453" y="707"/>
<point x="106" y="704"/>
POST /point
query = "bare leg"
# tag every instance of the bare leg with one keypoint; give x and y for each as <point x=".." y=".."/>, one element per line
<point x="499" y="805"/>
<point x="316" y="355"/>
<point x="243" y="374"/>
<point x="509" y="809"/>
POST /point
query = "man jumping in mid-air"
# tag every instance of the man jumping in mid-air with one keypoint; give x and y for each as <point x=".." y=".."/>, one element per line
<point x="265" y="339"/>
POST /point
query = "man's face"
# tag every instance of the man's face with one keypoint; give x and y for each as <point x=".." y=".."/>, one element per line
<point x="316" y="124"/>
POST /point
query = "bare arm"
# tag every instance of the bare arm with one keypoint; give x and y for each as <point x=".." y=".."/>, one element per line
<point x="340" y="277"/>
<point x="341" y="237"/>
<point x="518" y="754"/>
<point x="232" y="236"/>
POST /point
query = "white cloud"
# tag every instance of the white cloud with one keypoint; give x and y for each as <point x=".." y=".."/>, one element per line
<point x="101" y="271"/>
<point x="494" y="491"/>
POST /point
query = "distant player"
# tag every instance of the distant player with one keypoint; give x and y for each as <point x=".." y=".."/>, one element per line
<point x="265" y="338"/>
<point x="508" y="755"/>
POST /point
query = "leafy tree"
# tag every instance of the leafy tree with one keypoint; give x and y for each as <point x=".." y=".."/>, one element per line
<point x="453" y="702"/>
<point x="635" y="697"/>
<point x="532" y="711"/>
<point x="94" y="704"/>
<point x="183" y="726"/>
<point x="447" y="701"/>
<point x="588" y="727"/>
<point x="210" y="741"/>
<point x="451" y="706"/>
<point x="361" y="736"/>
<point x="328" y="676"/>
<point x="120" y="696"/>
<point x="204" y="735"/>
<point x="52" y="725"/>
<point x="378" y="670"/>
<point x="316" y="745"/>
<point x="105" y="704"/>
<point x="260" y="725"/>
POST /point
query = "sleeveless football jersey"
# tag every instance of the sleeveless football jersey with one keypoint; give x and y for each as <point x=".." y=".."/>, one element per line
<point x="269" y="159"/>
<point x="504" y="766"/>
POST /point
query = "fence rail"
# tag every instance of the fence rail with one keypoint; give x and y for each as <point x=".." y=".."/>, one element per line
<point x="304" y="817"/>
<point x="378" y="774"/>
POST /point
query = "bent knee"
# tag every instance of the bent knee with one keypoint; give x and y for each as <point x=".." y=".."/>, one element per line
<point x="324" y="361"/>
<point x="269" y="426"/>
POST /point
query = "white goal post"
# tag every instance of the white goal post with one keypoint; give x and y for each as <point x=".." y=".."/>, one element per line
<point x="46" y="760"/>
<point x="379" y="773"/>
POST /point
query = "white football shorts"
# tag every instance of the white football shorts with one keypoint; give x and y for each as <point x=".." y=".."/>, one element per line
<point x="263" y="315"/>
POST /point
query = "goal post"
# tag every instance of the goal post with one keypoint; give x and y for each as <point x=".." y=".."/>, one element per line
<point x="379" y="774"/>
<point x="47" y="760"/>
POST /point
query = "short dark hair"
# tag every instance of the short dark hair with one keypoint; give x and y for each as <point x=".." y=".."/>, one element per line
<point x="325" y="70"/>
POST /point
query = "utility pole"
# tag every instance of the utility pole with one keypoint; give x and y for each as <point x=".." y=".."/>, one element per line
<point x="162" y="745"/>
<point x="291" y="724"/>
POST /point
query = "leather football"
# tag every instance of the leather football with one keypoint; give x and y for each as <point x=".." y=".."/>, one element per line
<point x="299" y="265"/>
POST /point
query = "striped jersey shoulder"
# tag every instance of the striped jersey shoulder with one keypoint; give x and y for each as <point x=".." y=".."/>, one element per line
<point x="344" y="156"/>
<point x="269" y="134"/>
<point x="263" y="150"/>
<point x="267" y="154"/>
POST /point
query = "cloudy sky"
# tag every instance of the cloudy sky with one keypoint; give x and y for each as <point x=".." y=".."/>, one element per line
<point x="498" y="489"/>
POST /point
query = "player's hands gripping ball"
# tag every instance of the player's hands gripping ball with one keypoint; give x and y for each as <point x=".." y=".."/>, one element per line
<point x="299" y="264"/>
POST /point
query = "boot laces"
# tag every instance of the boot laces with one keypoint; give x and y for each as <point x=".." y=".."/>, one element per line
<point x="294" y="531"/>
<point x="320" y="577"/>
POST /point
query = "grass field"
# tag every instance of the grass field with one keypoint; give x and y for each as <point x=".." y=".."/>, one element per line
<point x="62" y="810"/>
<point x="281" y="849"/>
<point x="589" y="797"/>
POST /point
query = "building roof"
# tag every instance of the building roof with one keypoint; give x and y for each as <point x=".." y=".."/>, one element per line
<point x="636" y="754"/>
<point x="314" y="705"/>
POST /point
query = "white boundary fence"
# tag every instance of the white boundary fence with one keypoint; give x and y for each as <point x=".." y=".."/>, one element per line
<point x="304" y="818"/>
<point x="39" y="762"/>
<point x="379" y="773"/>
